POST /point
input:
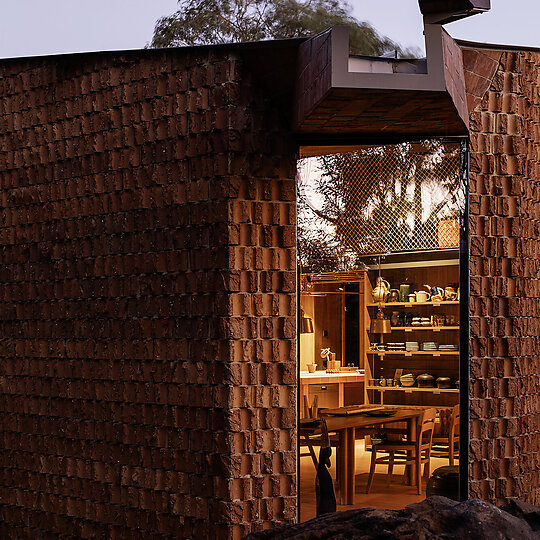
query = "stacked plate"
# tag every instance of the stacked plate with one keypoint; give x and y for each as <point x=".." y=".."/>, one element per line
<point x="448" y="348"/>
<point x="429" y="346"/>
<point x="396" y="346"/>
<point x="421" y="321"/>
<point x="411" y="346"/>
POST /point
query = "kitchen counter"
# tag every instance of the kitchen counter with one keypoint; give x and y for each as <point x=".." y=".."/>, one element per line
<point x="321" y="376"/>
<point x="328" y="381"/>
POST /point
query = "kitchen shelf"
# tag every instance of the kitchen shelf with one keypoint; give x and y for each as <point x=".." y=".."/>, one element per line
<point x="433" y="311"/>
<point x="414" y="353"/>
<point x="408" y="389"/>
<point x="413" y="304"/>
<point x="414" y="328"/>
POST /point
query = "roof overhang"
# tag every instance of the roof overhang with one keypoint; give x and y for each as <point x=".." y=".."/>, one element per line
<point x="379" y="97"/>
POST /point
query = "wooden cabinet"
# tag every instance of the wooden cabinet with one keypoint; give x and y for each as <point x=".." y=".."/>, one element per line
<point x="333" y="389"/>
<point x="328" y="394"/>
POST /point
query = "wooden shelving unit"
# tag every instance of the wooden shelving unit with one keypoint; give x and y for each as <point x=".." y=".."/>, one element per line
<point x="413" y="304"/>
<point x="438" y="363"/>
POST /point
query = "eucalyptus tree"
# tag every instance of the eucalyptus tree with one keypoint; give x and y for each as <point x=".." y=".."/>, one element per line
<point x="201" y="22"/>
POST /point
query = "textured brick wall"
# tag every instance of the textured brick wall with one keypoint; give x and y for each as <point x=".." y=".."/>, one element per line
<point x="262" y="308"/>
<point x="144" y="385"/>
<point x="504" y="92"/>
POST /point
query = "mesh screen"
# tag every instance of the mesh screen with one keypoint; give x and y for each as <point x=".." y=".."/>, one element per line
<point x="378" y="200"/>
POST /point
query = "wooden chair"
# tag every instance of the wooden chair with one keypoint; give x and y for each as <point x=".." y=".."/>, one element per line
<point x="447" y="444"/>
<point x="311" y="412"/>
<point x="418" y="452"/>
<point x="307" y="438"/>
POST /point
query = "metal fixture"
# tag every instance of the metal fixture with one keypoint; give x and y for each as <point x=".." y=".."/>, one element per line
<point x="306" y="323"/>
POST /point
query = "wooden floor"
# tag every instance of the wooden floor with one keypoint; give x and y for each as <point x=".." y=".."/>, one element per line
<point x="396" y="496"/>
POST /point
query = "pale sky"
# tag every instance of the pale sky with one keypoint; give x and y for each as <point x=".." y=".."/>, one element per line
<point x="40" y="27"/>
<point x="509" y="22"/>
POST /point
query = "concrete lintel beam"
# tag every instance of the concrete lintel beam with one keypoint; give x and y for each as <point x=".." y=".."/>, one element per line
<point x="432" y="80"/>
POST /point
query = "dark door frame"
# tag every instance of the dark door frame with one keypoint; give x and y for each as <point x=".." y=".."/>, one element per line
<point x="464" y="287"/>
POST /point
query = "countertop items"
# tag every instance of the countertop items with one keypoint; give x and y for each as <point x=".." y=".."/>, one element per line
<point x="411" y="346"/>
<point x="383" y="293"/>
<point x="444" y="382"/>
<point x="407" y="380"/>
<point x="425" y="381"/>
<point x="448" y="347"/>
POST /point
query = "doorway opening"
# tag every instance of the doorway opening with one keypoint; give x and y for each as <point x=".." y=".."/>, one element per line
<point x="383" y="321"/>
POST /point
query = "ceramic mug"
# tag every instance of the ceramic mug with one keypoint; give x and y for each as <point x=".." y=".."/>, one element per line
<point x="450" y="293"/>
<point x="311" y="368"/>
<point x="412" y="298"/>
<point x="394" y="295"/>
<point x="422" y="296"/>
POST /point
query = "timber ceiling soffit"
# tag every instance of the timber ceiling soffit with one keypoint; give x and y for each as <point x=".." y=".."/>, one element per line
<point x="341" y="94"/>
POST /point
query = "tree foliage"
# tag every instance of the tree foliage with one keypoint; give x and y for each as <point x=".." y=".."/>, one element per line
<point x="200" y="22"/>
<point x="377" y="200"/>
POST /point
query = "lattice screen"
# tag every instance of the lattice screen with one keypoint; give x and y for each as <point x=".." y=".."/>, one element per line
<point x="379" y="199"/>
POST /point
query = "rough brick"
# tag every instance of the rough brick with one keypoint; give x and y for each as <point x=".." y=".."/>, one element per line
<point x="504" y="314"/>
<point x="139" y="193"/>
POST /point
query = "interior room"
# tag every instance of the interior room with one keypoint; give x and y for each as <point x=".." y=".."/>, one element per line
<point x="379" y="333"/>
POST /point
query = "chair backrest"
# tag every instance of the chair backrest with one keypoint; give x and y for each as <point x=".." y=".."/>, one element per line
<point x="426" y="428"/>
<point x="313" y="410"/>
<point x="454" y="424"/>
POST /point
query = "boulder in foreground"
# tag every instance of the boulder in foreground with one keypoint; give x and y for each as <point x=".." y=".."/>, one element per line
<point x="434" y="518"/>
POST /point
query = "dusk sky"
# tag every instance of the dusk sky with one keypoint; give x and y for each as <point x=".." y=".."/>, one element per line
<point x="35" y="27"/>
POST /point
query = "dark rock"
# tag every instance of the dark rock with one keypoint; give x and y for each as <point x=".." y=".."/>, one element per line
<point x="434" y="518"/>
<point x="526" y="511"/>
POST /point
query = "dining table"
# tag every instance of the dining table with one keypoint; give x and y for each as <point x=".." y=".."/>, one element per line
<point x="349" y="424"/>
